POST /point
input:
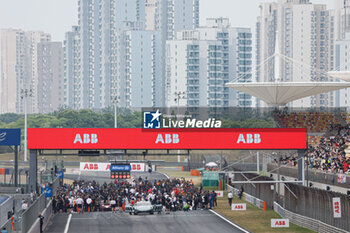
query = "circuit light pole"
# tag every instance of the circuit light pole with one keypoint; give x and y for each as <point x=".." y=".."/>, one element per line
<point x="25" y="93"/>
<point x="178" y="96"/>
<point x="115" y="102"/>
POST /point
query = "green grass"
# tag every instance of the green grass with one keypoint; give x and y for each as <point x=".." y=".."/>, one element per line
<point x="254" y="219"/>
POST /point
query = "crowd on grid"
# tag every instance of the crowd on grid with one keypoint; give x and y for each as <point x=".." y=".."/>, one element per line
<point x="328" y="154"/>
<point x="173" y="194"/>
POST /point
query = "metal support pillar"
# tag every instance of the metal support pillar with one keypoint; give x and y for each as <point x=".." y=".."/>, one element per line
<point x="257" y="162"/>
<point x="16" y="166"/>
<point x="301" y="166"/>
<point x="33" y="167"/>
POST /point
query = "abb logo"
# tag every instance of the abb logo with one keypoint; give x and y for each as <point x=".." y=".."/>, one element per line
<point x="337" y="207"/>
<point x="239" y="206"/>
<point x="136" y="167"/>
<point x="87" y="139"/>
<point x="279" y="222"/>
<point x="85" y="166"/>
<point x="168" y="139"/>
<point x="91" y="166"/>
<point x="249" y="138"/>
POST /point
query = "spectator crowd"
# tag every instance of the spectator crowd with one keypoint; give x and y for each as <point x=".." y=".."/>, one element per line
<point x="329" y="154"/>
<point x="173" y="194"/>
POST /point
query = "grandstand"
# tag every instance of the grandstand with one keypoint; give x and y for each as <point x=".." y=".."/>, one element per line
<point x="314" y="122"/>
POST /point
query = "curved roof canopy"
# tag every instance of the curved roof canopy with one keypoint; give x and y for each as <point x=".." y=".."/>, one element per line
<point x="343" y="75"/>
<point x="281" y="93"/>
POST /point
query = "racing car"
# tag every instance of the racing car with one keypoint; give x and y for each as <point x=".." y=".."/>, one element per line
<point x="143" y="207"/>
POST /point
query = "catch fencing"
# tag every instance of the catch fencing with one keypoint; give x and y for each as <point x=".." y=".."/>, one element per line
<point x="31" y="214"/>
<point x="317" y="204"/>
<point x="312" y="175"/>
<point x="56" y="184"/>
<point x="5" y="207"/>
<point x="260" y="191"/>
<point x="305" y="201"/>
<point x="306" y="222"/>
<point x="247" y="197"/>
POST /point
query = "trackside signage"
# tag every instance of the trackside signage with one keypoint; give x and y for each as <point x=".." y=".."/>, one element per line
<point x="336" y="207"/>
<point x="239" y="207"/>
<point x="59" y="138"/>
<point x="279" y="223"/>
<point x="10" y="137"/>
<point x="106" y="167"/>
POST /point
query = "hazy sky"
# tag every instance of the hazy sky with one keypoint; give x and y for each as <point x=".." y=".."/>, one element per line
<point x="57" y="16"/>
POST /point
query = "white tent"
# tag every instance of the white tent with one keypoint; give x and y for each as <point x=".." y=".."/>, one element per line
<point x="281" y="93"/>
<point x="211" y="164"/>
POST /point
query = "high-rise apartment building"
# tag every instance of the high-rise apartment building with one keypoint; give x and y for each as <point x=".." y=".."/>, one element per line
<point x="342" y="62"/>
<point x="71" y="68"/>
<point x="342" y="46"/>
<point x="306" y="33"/>
<point x="200" y="62"/>
<point x="50" y="94"/>
<point x="19" y="65"/>
<point x="342" y="18"/>
<point x="111" y="34"/>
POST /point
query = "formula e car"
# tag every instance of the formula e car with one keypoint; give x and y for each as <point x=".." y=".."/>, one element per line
<point x="143" y="207"/>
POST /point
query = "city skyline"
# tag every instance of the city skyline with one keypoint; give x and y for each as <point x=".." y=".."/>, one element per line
<point x="30" y="15"/>
<point x="107" y="54"/>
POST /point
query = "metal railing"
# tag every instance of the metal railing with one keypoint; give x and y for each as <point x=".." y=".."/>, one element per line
<point x="247" y="197"/>
<point x="31" y="214"/>
<point x="306" y="222"/>
<point x="5" y="207"/>
<point x="55" y="185"/>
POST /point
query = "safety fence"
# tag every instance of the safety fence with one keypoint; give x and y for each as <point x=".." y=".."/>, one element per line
<point x="306" y="222"/>
<point x="31" y="214"/>
<point x="312" y="175"/>
<point x="55" y="184"/>
<point x="317" y="204"/>
<point x="46" y="213"/>
<point x="5" y="207"/>
<point x="247" y="197"/>
<point x="13" y="203"/>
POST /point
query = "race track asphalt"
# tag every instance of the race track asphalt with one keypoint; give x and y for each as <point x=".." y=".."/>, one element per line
<point x="202" y="221"/>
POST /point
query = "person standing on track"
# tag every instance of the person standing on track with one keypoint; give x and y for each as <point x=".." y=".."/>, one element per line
<point x="80" y="202"/>
<point x="113" y="205"/>
<point x="41" y="219"/>
<point x="88" y="203"/>
<point x="230" y="197"/>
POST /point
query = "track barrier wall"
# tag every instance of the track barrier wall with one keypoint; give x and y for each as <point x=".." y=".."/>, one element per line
<point x="317" y="204"/>
<point x="311" y="175"/>
<point x="42" y="205"/>
<point x="31" y="214"/>
<point x="313" y="205"/>
<point x="260" y="191"/>
<point x="306" y="222"/>
<point x="5" y="207"/>
<point x="249" y="198"/>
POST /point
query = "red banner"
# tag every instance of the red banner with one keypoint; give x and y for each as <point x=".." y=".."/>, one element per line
<point x="200" y="139"/>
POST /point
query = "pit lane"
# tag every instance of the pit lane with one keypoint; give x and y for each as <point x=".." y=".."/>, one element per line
<point x="202" y="221"/>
